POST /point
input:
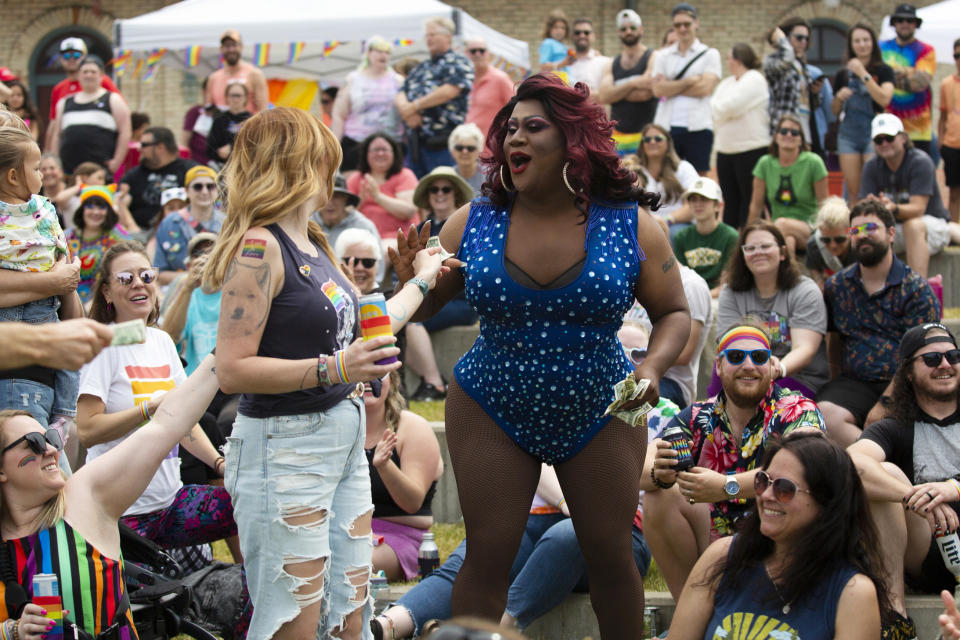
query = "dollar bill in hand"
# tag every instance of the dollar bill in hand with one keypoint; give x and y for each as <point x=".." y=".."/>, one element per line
<point x="625" y="391"/>
<point x="132" y="332"/>
<point x="434" y="241"/>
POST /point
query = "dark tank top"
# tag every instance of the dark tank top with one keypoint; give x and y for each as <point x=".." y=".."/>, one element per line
<point x="631" y="117"/>
<point x="315" y="312"/>
<point x="383" y="504"/>
<point x="88" y="132"/>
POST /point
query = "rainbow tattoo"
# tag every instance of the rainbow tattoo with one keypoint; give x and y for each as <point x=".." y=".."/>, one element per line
<point x="253" y="249"/>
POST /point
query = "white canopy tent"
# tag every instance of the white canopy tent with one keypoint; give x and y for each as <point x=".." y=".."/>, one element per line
<point x="941" y="26"/>
<point x="314" y="22"/>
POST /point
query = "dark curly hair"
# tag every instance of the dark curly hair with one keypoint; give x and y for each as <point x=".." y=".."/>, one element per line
<point x="740" y="278"/>
<point x="395" y="168"/>
<point x="594" y="166"/>
<point x="842" y="533"/>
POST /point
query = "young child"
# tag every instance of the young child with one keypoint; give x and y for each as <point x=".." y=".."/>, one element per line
<point x="31" y="240"/>
<point x="706" y="246"/>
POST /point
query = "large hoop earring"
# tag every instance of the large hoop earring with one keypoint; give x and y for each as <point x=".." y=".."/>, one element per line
<point x="565" y="181"/>
<point x="504" y="182"/>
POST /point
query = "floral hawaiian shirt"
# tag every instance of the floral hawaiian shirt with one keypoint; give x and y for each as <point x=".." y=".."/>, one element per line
<point x="705" y="423"/>
<point x="447" y="68"/>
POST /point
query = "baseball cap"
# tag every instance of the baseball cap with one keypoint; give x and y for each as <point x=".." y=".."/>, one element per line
<point x="173" y="193"/>
<point x="628" y="16"/>
<point x="885" y="124"/>
<point x="232" y="34"/>
<point x="916" y="338"/>
<point x="684" y="7"/>
<point x="704" y="187"/>
<point x="73" y="44"/>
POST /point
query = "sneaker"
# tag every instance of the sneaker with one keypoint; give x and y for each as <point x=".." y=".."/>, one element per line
<point x="427" y="391"/>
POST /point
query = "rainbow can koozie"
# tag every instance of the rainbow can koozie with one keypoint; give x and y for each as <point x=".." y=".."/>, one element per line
<point x="375" y="321"/>
<point x="46" y="593"/>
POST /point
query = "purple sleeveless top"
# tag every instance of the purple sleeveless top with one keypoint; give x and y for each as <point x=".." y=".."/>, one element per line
<point x="315" y="312"/>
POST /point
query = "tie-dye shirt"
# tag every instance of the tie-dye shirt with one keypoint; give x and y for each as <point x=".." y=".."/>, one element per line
<point x="912" y="108"/>
<point x="31" y="238"/>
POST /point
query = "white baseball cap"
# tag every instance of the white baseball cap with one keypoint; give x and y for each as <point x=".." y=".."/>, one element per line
<point x="705" y="187"/>
<point x="628" y="16"/>
<point x="73" y="44"/>
<point x="885" y="124"/>
<point x="173" y="193"/>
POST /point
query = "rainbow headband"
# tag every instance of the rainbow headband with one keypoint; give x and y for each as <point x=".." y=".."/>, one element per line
<point x="742" y="333"/>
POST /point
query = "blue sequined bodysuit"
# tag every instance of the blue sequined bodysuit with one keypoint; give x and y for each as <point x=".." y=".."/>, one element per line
<point x="546" y="360"/>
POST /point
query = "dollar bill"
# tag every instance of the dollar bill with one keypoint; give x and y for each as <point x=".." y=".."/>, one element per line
<point x="434" y="241"/>
<point x="625" y="391"/>
<point x="132" y="332"/>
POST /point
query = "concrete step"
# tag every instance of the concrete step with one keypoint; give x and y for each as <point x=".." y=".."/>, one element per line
<point x="574" y="618"/>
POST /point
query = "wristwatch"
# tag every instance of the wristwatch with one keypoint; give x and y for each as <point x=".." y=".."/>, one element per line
<point x="866" y="78"/>
<point x="732" y="487"/>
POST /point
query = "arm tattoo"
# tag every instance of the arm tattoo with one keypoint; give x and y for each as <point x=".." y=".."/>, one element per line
<point x="666" y="266"/>
<point x="246" y="299"/>
<point x="400" y="315"/>
<point x="306" y="374"/>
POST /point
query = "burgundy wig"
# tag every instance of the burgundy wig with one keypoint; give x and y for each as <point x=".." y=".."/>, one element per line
<point x="594" y="168"/>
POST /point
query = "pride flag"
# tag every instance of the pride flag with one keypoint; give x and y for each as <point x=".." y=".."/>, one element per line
<point x="153" y="62"/>
<point x="261" y="54"/>
<point x="155" y="57"/>
<point x="402" y="42"/>
<point x="296" y="49"/>
<point x="192" y="57"/>
<point x="121" y="61"/>
<point x="329" y="46"/>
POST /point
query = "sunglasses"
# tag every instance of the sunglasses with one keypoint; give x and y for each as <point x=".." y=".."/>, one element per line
<point x="833" y="239"/>
<point x="368" y="263"/>
<point x="476" y="52"/>
<point x="737" y="356"/>
<point x="882" y="139"/>
<point x="636" y="355"/>
<point x="750" y="249"/>
<point x="801" y="38"/>
<point x="72" y="55"/>
<point x="629" y="27"/>
<point x="860" y="229"/>
<point x="784" y="490"/>
<point x="956" y="55"/>
<point x="580" y="32"/>
<point x="682" y="25"/>
<point x="144" y="145"/>
<point x="464" y="147"/>
<point x="654" y="138"/>
<point x="440" y="189"/>
<point x="899" y="20"/>
<point x="146" y="277"/>
<point x="934" y="358"/>
<point x="38" y="441"/>
<point x="787" y="131"/>
<point x="209" y="186"/>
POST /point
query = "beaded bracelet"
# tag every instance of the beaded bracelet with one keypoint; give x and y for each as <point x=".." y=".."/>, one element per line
<point x="560" y="504"/>
<point x="16" y="630"/>
<point x="342" y="366"/>
<point x="657" y="482"/>
<point x="323" y="374"/>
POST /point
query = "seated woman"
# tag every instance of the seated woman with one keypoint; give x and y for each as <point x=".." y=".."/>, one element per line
<point x="764" y="282"/>
<point x="360" y="253"/>
<point x="792" y="180"/>
<point x="404" y="458"/>
<point x="385" y="186"/>
<point x="96" y="228"/>
<point x="68" y="527"/>
<point x="465" y="144"/>
<point x="123" y="386"/>
<point x="828" y="249"/>
<point x="662" y="171"/>
<point x="804" y="563"/>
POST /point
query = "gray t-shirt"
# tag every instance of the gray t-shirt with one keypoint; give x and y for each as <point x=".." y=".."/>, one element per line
<point x="926" y="451"/>
<point x="801" y="307"/>
<point x="916" y="175"/>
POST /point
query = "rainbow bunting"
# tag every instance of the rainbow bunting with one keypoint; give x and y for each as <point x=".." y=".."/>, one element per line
<point x="151" y="72"/>
<point x="120" y="62"/>
<point x="155" y="57"/>
<point x="192" y="57"/>
<point x="136" y="72"/>
<point x="296" y="49"/>
<point x="329" y="46"/>
<point x="261" y="54"/>
<point x="402" y="42"/>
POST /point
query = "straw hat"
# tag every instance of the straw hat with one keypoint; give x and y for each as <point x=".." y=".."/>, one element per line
<point x="462" y="190"/>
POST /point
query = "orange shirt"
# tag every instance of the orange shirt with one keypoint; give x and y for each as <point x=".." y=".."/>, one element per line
<point x="490" y="92"/>
<point x="217" y="85"/>
<point x="950" y="109"/>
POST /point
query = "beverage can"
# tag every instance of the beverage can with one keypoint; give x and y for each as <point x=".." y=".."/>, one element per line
<point x="949" y="545"/>
<point x="650" y="622"/>
<point x="428" y="558"/>
<point x="375" y="321"/>
<point x="680" y="443"/>
<point x="46" y="593"/>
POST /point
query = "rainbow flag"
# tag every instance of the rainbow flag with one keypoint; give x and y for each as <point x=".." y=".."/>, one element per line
<point x="402" y="42"/>
<point x="136" y="72"/>
<point x="155" y="57"/>
<point x="261" y="54"/>
<point x="296" y="49"/>
<point x="192" y="57"/>
<point x="329" y="46"/>
<point x="120" y="62"/>
<point x="150" y="72"/>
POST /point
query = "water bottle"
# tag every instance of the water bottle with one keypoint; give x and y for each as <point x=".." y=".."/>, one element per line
<point x="428" y="558"/>
<point x="949" y="544"/>
<point x="46" y="593"/>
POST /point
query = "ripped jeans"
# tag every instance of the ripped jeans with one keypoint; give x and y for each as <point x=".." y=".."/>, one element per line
<point x="299" y="484"/>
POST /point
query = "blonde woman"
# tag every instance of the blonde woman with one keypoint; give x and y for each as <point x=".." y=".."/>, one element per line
<point x="288" y="340"/>
<point x="828" y="249"/>
<point x="662" y="171"/>
<point x="364" y="104"/>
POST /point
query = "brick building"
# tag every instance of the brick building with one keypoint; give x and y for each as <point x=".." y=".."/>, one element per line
<point x="31" y="32"/>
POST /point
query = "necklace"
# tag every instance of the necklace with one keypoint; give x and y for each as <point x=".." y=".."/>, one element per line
<point x="786" y="605"/>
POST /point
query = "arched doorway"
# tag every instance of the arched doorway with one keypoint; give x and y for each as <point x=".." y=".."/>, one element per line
<point x="828" y="45"/>
<point x="45" y="69"/>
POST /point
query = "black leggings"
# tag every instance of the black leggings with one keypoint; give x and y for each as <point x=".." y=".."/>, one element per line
<point x="496" y="480"/>
<point x="735" y="176"/>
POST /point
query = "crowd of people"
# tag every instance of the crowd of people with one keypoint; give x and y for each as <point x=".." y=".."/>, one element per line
<point x="585" y="235"/>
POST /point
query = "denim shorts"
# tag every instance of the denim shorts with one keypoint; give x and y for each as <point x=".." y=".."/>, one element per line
<point x="853" y="135"/>
<point x="288" y="467"/>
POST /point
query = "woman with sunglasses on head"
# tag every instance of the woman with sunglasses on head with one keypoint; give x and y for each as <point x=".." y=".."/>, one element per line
<point x="664" y="173"/>
<point x="763" y="282"/>
<point x="863" y="88"/>
<point x="68" y="526"/>
<point x="123" y="387"/>
<point x="828" y="249"/>
<point x="792" y="180"/>
<point x="805" y="563"/>
<point x="466" y="143"/>
<point x="556" y="249"/>
<point x="96" y="228"/>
